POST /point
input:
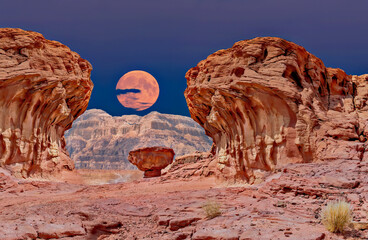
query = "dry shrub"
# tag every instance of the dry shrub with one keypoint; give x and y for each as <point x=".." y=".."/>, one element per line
<point x="212" y="209"/>
<point x="336" y="215"/>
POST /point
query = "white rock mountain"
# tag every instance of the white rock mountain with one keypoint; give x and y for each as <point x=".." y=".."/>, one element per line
<point x="98" y="140"/>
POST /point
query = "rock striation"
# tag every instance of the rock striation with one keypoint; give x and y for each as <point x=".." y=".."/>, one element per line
<point x="100" y="141"/>
<point x="44" y="87"/>
<point x="267" y="102"/>
<point x="151" y="159"/>
<point x="191" y="166"/>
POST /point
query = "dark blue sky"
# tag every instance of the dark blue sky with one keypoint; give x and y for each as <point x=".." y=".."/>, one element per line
<point x="167" y="37"/>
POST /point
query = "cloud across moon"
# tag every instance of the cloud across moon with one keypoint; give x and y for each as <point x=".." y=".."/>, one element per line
<point x="138" y="90"/>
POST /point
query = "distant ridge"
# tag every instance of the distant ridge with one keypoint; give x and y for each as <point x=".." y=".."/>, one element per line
<point x="98" y="140"/>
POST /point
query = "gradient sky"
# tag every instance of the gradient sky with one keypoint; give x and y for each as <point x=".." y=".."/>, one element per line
<point x="167" y="37"/>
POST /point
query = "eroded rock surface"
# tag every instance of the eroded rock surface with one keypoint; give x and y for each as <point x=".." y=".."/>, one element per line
<point x="267" y="102"/>
<point x="191" y="166"/>
<point x="44" y="87"/>
<point x="287" y="205"/>
<point x="151" y="159"/>
<point x="101" y="141"/>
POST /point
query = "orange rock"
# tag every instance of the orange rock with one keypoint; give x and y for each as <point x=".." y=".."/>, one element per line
<point x="47" y="231"/>
<point x="267" y="102"/>
<point x="182" y="222"/>
<point x="151" y="159"/>
<point x="191" y="166"/>
<point x="44" y="87"/>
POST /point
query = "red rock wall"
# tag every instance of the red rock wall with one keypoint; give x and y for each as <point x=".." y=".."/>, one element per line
<point x="44" y="86"/>
<point x="267" y="102"/>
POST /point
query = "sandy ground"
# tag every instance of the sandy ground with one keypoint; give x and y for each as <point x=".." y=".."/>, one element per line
<point x="98" y="177"/>
<point x="286" y="205"/>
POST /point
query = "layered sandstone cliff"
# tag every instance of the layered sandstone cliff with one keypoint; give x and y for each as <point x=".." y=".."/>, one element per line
<point x="100" y="141"/>
<point x="267" y="102"/>
<point x="44" y="87"/>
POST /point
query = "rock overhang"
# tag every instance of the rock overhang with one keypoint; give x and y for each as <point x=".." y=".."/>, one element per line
<point x="267" y="102"/>
<point x="44" y="87"/>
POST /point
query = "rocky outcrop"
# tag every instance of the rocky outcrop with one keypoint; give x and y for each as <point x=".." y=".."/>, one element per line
<point x="44" y="87"/>
<point x="191" y="166"/>
<point x="267" y="102"/>
<point x="100" y="141"/>
<point x="151" y="159"/>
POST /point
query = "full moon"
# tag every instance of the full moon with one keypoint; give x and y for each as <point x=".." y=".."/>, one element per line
<point x="138" y="90"/>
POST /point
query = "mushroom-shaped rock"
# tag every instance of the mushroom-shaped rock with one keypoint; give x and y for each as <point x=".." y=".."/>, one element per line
<point x="44" y="87"/>
<point x="151" y="159"/>
<point x="267" y="102"/>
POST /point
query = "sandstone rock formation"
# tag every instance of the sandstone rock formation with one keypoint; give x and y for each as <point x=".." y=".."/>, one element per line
<point x="151" y="159"/>
<point x="267" y="102"/>
<point x="191" y="166"/>
<point x="100" y="141"/>
<point x="44" y="87"/>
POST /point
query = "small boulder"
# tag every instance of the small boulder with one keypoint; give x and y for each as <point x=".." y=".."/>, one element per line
<point x="176" y="224"/>
<point x="151" y="159"/>
<point x="47" y="231"/>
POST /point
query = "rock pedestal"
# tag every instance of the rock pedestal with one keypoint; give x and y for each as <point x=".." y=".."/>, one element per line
<point x="151" y="159"/>
<point x="152" y="173"/>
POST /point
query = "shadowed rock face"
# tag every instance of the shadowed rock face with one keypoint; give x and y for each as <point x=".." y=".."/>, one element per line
<point x="151" y="159"/>
<point x="44" y="87"/>
<point x="267" y="102"/>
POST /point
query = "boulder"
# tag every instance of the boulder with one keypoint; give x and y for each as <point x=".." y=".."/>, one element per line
<point x="44" y="87"/>
<point x="151" y="159"/>
<point x="267" y="102"/>
<point x="52" y="230"/>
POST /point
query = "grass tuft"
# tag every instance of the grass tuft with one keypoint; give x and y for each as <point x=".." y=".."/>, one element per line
<point x="336" y="215"/>
<point x="212" y="209"/>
